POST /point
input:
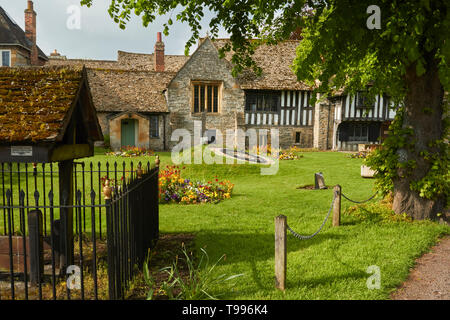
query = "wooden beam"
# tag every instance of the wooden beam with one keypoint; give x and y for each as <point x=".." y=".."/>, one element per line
<point x="71" y="151"/>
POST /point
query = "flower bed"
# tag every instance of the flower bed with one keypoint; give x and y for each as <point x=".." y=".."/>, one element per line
<point x="359" y="155"/>
<point x="130" y="152"/>
<point x="286" y="154"/>
<point x="174" y="188"/>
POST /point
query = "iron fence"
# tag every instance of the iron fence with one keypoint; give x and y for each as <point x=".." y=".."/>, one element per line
<point x="111" y="234"/>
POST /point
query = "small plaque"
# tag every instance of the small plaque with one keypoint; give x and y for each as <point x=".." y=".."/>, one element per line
<point x="22" y="151"/>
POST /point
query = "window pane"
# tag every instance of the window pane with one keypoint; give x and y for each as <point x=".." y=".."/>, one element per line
<point x="202" y="98"/>
<point x="251" y="102"/>
<point x="154" y="127"/>
<point x="5" y="58"/>
<point x="274" y="105"/>
<point x="196" y="99"/>
<point x="259" y="105"/>
<point x="216" y="99"/>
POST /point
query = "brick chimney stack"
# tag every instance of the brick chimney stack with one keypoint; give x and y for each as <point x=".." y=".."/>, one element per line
<point x="30" y="32"/>
<point x="159" y="54"/>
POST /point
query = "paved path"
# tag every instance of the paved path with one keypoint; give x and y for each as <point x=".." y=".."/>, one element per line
<point x="430" y="278"/>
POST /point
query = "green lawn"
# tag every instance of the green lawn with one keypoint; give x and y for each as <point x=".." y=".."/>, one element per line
<point x="332" y="265"/>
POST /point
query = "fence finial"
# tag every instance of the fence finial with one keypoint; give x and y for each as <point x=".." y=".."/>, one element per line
<point x="157" y="161"/>
<point x="139" y="171"/>
<point x="107" y="190"/>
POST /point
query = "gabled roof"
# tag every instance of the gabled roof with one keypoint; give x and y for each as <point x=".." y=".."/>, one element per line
<point x="12" y="34"/>
<point x="275" y="62"/>
<point x="203" y="42"/>
<point x="37" y="103"/>
<point x="128" y="90"/>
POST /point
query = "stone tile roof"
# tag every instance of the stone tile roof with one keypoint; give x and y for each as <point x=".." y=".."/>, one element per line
<point x="125" y="61"/>
<point x="145" y="62"/>
<point x="128" y="90"/>
<point x="275" y="62"/>
<point x="34" y="102"/>
<point x="105" y="64"/>
<point x="12" y="34"/>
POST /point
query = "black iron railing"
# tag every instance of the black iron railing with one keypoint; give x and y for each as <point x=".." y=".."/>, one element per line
<point x="111" y="234"/>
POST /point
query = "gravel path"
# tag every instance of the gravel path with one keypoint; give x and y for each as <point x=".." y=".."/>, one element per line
<point x="430" y="278"/>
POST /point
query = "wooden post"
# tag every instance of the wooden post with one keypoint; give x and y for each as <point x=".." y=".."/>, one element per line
<point x="66" y="218"/>
<point x="36" y="246"/>
<point x="337" y="206"/>
<point x="280" y="252"/>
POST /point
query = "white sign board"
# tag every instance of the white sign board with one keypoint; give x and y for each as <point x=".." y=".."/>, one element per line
<point x="22" y="151"/>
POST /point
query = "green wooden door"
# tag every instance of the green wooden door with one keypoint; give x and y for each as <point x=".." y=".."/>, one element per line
<point x="128" y="128"/>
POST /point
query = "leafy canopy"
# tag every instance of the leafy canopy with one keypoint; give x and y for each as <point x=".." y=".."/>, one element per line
<point x="338" y="48"/>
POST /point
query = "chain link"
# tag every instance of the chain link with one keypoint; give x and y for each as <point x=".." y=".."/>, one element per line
<point x="359" y="201"/>
<point x="301" y="237"/>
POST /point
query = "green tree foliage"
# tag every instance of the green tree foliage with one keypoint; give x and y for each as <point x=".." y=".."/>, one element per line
<point x="339" y="51"/>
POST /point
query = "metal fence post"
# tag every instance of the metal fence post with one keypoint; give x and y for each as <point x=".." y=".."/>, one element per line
<point x="36" y="246"/>
<point x="280" y="252"/>
<point x="107" y="193"/>
<point x="337" y="206"/>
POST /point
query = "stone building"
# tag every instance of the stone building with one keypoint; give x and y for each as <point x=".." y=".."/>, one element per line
<point x="142" y="98"/>
<point x="17" y="47"/>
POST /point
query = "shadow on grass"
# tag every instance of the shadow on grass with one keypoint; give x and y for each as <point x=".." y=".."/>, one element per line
<point x="255" y="246"/>
<point x="325" y="280"/>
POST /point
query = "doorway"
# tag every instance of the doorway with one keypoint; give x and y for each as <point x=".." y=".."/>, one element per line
<point x="128" y="132"/>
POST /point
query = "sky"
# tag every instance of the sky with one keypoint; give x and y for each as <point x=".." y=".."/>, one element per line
<point x="95" y="35"/>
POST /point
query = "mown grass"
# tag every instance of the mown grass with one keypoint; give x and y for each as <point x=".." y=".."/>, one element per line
<point x="331" y="265"/>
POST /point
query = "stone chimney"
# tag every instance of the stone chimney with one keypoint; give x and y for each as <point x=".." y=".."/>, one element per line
<point x="30" y="32"/>
<point x="55" y="54"/>
<point x="159" y="54"/>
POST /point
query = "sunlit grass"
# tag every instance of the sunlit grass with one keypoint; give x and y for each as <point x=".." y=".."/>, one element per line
<point x="331" y="265"/>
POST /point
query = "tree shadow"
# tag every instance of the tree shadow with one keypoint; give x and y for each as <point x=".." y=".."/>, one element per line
<point x="254" y="247"/>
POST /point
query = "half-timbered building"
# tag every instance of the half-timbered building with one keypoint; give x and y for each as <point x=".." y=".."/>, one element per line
<point x="141" y="99"/>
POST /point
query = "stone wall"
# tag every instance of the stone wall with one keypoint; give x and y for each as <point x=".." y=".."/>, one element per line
<point x="19" y="57"/>
<point x="323" y="125"/>
<point x="287" y="135"/>
<point x="204" y="65"/>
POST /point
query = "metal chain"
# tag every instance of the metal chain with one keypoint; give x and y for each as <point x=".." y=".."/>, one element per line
<point x="301" y="237"/>
<point x="359" y="201"/>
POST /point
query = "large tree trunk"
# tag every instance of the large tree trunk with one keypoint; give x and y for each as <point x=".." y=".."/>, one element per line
<point x="424" y="93"/>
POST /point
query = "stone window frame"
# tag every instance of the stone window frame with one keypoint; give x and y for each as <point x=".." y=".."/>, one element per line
<point x="10" y="57"/>
<point x="217" y="83"/>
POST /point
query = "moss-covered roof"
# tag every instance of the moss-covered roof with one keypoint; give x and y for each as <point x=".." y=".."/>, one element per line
<point x="34" y="102"/>
<point x="275" y="62"/>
